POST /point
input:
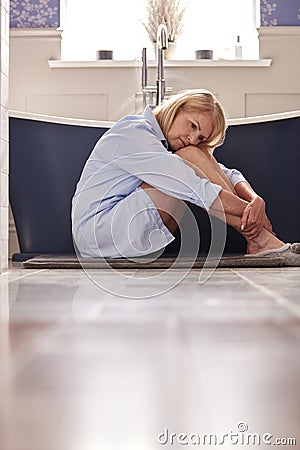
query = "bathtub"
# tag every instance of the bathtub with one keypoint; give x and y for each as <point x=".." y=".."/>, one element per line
<point x="47" y="155"/>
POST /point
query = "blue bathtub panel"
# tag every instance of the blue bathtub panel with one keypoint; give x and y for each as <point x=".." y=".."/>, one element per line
<point x="46" y="160"/>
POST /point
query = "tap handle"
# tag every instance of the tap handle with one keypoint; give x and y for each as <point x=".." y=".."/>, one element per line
<point x="162" y="36"/>
<point x="144" y="68"/>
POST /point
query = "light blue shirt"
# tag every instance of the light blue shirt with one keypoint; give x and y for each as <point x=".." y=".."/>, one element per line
<point x="132" y="151"/>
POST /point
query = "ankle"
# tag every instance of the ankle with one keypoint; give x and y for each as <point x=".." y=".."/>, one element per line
<point x="265" y="241"/>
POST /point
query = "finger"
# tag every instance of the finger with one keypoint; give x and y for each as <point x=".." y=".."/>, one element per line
<point x="249" y="234"/>
<point x="253" y="232"/>
<point x="249" y="228"/>
<point x="254" y="216"/>
<point x="253" y="225"/>
<point x="244" y="220"/>
<point x="252" y="235"/>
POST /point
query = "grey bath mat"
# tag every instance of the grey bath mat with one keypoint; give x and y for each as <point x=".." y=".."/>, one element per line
<point x="72" y="262"/>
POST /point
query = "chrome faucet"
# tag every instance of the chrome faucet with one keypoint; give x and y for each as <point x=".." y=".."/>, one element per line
<point x="161" y="45"/>
<point x="160" y="90"/>
<point x="144" y="76"/>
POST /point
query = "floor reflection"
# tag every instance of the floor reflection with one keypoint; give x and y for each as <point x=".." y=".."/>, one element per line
<point x="83" y="369"/>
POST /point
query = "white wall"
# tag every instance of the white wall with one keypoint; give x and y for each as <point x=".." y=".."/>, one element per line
<point x="279" y="91"/>
<point x="4" y="36"/>
<point x="107" y="93"/>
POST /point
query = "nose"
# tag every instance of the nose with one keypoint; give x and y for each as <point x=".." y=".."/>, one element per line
<point x="193" y="140"/>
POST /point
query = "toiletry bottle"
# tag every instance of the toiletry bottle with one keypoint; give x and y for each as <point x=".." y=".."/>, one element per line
<point x="238" y="49"/>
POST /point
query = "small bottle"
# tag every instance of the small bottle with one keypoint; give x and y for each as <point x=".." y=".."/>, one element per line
<point x="238" y="49"/>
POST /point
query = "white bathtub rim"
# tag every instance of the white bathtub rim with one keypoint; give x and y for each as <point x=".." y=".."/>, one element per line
<point x="109" y="124"/>
<point x="60" y="120"/>
<point x="264" y="118"/>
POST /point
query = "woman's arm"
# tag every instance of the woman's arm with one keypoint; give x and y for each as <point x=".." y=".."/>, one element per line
<point x="234" y="175"/>
<point x="245" y="191"/>
<point x="254" y="217"/>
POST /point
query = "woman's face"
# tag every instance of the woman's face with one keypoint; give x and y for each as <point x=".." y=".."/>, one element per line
<point x="189" y="128"/>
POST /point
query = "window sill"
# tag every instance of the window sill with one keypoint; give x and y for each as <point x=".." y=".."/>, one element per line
<point x="57" y="64"/>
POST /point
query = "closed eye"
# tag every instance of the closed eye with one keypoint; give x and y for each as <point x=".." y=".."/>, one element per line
<point x="195" y="126"/>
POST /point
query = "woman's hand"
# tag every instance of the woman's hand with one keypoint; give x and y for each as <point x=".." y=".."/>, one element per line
<point x="254" y="218"/>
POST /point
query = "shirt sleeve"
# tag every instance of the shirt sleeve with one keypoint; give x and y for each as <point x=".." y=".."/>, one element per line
<point x="142" y="154"/>
<point x="234" y="175"/>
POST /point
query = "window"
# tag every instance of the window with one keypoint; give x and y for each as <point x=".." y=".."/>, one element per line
<point x="117" y="25"/>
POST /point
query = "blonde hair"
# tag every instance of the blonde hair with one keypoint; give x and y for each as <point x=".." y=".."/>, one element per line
<point x="199" y="100"/>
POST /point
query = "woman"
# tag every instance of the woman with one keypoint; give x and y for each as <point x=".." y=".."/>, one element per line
<point x="132" y="191"/>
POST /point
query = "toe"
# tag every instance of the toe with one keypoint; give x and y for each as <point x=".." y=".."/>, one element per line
<point x="295" y="247"/>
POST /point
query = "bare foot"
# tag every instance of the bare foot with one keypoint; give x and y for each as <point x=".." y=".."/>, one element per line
<point x="264" y="241"/>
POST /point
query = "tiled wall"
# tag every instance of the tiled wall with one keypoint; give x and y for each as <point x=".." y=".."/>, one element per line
<point x="280" y="13"/>
<point x="34" y="13"/>
<point x="4" y="36"/>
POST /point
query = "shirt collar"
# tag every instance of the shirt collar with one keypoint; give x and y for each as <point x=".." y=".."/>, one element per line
<point x="148" y="115"/>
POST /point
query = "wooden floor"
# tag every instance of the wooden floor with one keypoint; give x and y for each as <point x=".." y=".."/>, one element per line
<point x="83" y="368"/>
